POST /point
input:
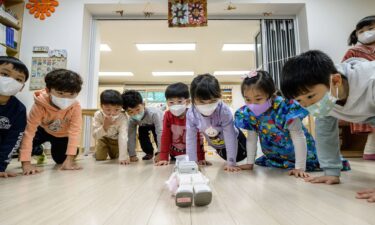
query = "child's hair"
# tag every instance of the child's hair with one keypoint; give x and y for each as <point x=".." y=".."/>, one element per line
<point x="177" y="90"/>
<point x="131" y="99"/>
<point x="63" y="80"/>
<point x="110" y="97"/>
<point x="262" y="81"/>
<point x="17" y="65"/>
<point x="367" y="21"/>
<point x="304" y="71"/>
<point x="205" y="87"/>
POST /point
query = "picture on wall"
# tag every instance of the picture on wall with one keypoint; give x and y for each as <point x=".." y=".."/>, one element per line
<point x="187" y="13"/>
<point x="40" y="66"/>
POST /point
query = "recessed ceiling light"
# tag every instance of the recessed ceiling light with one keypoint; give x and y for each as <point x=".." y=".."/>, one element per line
<point x="180" y="73"/>
<point x="238" y="47"/>
<point x="166" y="47"/>
<point x="230" y="73"/>
<point x="125" y="74"/>
<point x="105" y="48"/>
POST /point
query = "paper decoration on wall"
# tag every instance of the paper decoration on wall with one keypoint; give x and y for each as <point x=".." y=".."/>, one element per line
<point x="40" y="49"/>
<point x="187" y="13"/>
<point x="42" y="8"/>
<point x="40" y="66"/>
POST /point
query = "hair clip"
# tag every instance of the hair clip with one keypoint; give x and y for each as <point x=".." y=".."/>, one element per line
<point x="251" y="74"/>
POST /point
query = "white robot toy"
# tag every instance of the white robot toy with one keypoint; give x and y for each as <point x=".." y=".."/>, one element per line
<point x="188" y="184"/>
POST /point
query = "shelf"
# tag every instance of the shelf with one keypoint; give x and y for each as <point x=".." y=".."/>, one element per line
<point x="9" y="23"/>
<point x="10" y="50"/>
<point x="9" y="3"/>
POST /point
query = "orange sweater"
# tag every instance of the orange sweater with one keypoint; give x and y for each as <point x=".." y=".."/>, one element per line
<point x="57" y="122"/>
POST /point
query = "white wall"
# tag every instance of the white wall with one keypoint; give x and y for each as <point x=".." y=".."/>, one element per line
<point x="329" y="23"/>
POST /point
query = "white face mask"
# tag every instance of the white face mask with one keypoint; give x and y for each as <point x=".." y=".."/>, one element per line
<point x="177" y="110"/>
<point x="9" y="86"/>
<point x="113" y="117"/>
<point x="207" y="109"/>
<point x="62" y="103"/>
<point x="367" y="37"/>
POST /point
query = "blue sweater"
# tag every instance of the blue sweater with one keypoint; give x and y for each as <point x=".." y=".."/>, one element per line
<point x="12" y="126"/>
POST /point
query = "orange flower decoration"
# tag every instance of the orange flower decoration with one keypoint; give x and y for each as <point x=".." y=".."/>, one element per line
<point x="42" y="8"/>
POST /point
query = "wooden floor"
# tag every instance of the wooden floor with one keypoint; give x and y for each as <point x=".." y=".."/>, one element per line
<point x="106" y="193"/>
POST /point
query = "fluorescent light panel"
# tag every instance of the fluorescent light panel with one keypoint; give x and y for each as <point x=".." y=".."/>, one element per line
<point x="180" y="73"/>
<point x="105" y="48"/>
<point x="116" y="74"/>
<point x="166" y="47"/>
<point x="238" y="47"/>
<point x="230" y="73"/>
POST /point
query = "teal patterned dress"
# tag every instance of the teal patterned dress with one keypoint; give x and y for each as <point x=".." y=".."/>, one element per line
<point x="275" y="139"/>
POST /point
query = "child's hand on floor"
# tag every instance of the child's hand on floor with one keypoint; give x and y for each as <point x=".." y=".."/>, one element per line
<point x="7" y="174"/>
<point x="247" y="167"/>
<point x="29" y="169"/>
<point x="157" y="158"/>
<point x="162" y="163"/>
<point x="323" y="179"/>
<point x="298" y="173"/>
<point x="124" y="162"/>
<point x="232" y="168"/>
<point x="368" y="194"/>
<point x="69" y="164"/>
<point x="204" y="163"/>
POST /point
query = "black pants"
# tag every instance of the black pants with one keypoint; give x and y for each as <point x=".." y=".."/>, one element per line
<point x="144" y="138"/>
<point x="241" y="151"/>
<point x="58" y="145"/>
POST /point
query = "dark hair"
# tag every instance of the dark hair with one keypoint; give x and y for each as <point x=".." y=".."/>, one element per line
<point x="17" y="65"/>
<point x="63" y="80"/>
<point x="304" y="71"/>
<point x="367" y="21"/>
<point x="262" y="81"/>
<point x="131" y="99"/>
<point x="177" y="90"/>
<point x="205" y="87"/>
<point x="110" y="97"/>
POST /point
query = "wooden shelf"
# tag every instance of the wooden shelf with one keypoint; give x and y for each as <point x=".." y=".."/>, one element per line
<point x="10" y="51"/>
<point x="9" y="3"/>
<point x="9" y="23"/>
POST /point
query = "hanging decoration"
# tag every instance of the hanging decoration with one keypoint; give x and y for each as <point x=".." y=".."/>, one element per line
<point x="187" y="13"/>
<point x="42" y="8"/>
<point x="147" y="11"/>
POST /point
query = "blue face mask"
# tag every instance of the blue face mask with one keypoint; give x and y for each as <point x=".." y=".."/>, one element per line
<point x="139" y="116"/>
<point x="323" y="107"/>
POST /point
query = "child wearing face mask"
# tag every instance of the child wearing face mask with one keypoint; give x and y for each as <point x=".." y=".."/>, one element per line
<point x="173" y="138"/>
<point x="13" y="75"/>
<point x="329" y="93"/>
<point x="55" y="117"/>
<point x="214" y="120"/>
<point x="284" y="140"/>
<point x="147" y="119"/>
<point x="363" y="39"/>
<point x="110" y="127"/>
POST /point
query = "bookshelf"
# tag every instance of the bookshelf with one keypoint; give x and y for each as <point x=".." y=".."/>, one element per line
<point x="227" y="96"/>
<point x="13" y="21"/>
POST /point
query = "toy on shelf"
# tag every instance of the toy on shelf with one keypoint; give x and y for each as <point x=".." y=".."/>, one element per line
<point x="188" y="184"/>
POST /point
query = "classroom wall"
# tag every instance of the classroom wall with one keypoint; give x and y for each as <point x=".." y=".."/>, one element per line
<point x="329" y="23"/>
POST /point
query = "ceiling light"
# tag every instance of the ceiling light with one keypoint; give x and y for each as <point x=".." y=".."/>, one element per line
<point x="183" y="73"/>
<point x="238" y="47"/>
<point x="166" y="47"/>
<point x="230" y="73"/>
<point x="125" y="74"/>
<point x="105" y="48"/>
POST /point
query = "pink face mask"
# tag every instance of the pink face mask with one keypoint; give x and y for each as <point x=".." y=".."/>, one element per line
<point x="258" y="109"/>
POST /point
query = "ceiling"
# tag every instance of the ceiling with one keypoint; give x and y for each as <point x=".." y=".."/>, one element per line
<point x="122" y="35"/>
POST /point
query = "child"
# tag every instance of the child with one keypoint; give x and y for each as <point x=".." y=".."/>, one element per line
<point x="363" y="37"/>
<point x="55" y="117"/>
<point x="147" y="119"/>
<point x="330" y="93"/>
<point x="13" y="75"/>
<point x="284" y="140"/>
<point x="214" y="119"/>
<point x="173" y="138"/>
<point x="111" y="129"/>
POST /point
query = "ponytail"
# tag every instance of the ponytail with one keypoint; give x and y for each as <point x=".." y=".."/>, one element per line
<point x="353" y="39"/>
